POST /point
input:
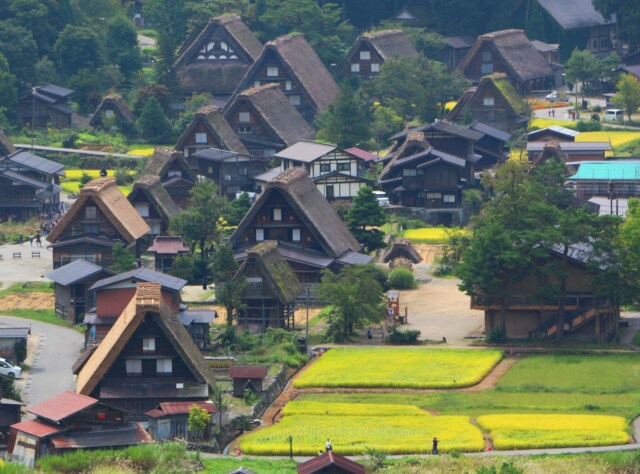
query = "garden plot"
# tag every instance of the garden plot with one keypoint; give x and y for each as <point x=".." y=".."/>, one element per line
<point x="399" y="368"/>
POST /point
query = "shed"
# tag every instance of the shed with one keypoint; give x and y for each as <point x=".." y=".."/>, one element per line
<point x="402" y="248"/>
<point x="330" y="463"/>
<point x="9" y="337"/>
<point x="247" y="377"/>
<point x="10" y="413"/>
<point x="197" y="322"/>
<point x="165" y="250"/>
<point x="169" y="420"/>
<point x="553" y="132"/>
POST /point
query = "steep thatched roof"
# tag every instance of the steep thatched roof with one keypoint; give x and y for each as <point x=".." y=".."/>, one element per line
<point x="402" y="248"/>
<point x="551" y="151"/>
<point x="6" y="145"/>
<point x="112" y="203"/>
<point x="312" y="208"/>
<point x="521" y="58"/>
<point x="113" y="102"/>
<point x="387" y="43"/>
<point x="148" y="302"/>
<point x="157" y="194"/>
<point x="506" y="89"/>
<point x="217" y="125"/>
<point x="303" y="64"/>
<point x="276" y="111"/>
<point x="158" y="163"/>
<point x="275" y="270"/>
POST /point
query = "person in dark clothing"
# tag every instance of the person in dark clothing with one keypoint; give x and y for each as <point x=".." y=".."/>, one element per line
<point x="434" y="449"/>
<point x="38" y="241"/>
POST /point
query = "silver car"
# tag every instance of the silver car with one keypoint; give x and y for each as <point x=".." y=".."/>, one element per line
<point x="8" y="370"/>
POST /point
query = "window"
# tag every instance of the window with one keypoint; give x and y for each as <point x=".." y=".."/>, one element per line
<point x="272" y="71"/>
<point x="287" y="85"/>
<point x="366" y="55"/>
<point x="486" y="68"/>
<point x="488" y="101"/>
<point x="268" y="152"/>
<point x="109" y="113"/>
<point x="90" y="213"/>
<point x="449" y="198"/>
<point x="148" y="344"/>
<point x="164" y="366"/>
<point x="344" y="167"/>
<point x="134" y="366"/>
<point x="295" y="235"/>
<point x="256" y="83"/>
<point x="277" y="214"/>
<point x="242" y="171"/>
<point x="201" y="137"/>
<point x="259" y="235"/>
<point x="174" y="173"/>
<point x="434" y="195"/>
<point x="329" y="192"/>
<point x="294" y="100"/>
<point x="245" y="129"/>
<point x="325" y="167"/>
<point x="375" y="67"/>
<point x="143" y="209"/>
<point x="244" y="117"/>
<point x="355" y="67"/>
<point x="409" y="172"/>
<point x="486" y="56"/>
<point x="91" y="228"/>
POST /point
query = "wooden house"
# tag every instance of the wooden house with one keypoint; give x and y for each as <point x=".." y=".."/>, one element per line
<point x="550" y="52"/>
<point x="113" y="294"/>
<point x="491" y="146"/>
<point x="456" y="48"/>
<point x="371" y="50"/>
<point x="147" y="358"/>
<point x="266" y="121"/>
<point x="402" y="248"/>
<point x="330" y="463"/>
<point x="71" y="288"/>
<point x="100" y="217"/>
<point x="165" y="250"/>
<point x="553" y="133"/>
<point x="529" y="315"/>
<point x="509" y="52"/>
<point x="70" y="421"/>
<point x="113" y="115"/>
<point x="170" y="420"/>
<point x="575" y="151"/>
<point x="292" y="63"/>
<point x="197" y="322"/>
<point x="44" y="106"/>
<point x="494" y="102"/>
<point x="272" y="287"/>
<point x="247" y="377"/>
<point x="338" y="174"/>
<point x="232" y="172"/>
<point x="154" y="204"/>
<point x="216" y="59"/>
<point x="208" y="129"/>
<point x="429" y="170"/>
<point x="310" y="235"/>
<point x="29" y="185"/>
<point x="10" y="413"/>
<point x="174" y="172"/>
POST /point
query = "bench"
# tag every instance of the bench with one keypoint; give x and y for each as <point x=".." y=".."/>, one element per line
<point x="17" y="254"/>
<point x="35" y="254"/>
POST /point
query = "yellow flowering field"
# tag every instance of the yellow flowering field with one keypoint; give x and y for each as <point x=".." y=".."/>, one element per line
<point x="142" y="151"/>
<point x="311" y="408"/>
<point x="75" y="175"/>
<point x="554" y="431"/>
<point x="354" y="434"/>
<point x="617" y="138"/>
<point x="431" y="235"/>
<point x="399" y="368"/>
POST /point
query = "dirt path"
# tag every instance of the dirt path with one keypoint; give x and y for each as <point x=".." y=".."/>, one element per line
<point x="30" y="301"/>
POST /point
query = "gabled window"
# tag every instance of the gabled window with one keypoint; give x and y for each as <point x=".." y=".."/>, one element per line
<point x="294" y="100"/>
<point x="148" y="344"/>
<point x="133" y="366"/>
<point x="375" y="67"/>
<point x="488" y="101"/>
<point x="244" y="117"/>
<point x="288" y="85"/>
<point x="277" y="214"/>
<point x="201" y="137"/>
<point x="245" y="129"/>
<point x="143" y="209"/>
<point x="272" y="71"/>
<point x="343" y="166"/>
<point x="355" y="67"/>
<point x="365" y="55"/>
<point x="295" y="235"/>
<point x="90" y="212"/>
<point x="486" y="56"/>
<point x="256" y="83"/>
<point x="259" y="235"/>
<point x="164" y="366"/>
<point x="486" y="68"/>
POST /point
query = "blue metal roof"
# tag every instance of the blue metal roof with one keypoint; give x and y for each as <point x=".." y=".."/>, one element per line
<point x="608" y="170"/>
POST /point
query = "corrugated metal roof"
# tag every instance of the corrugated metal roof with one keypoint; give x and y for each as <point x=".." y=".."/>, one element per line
<point x="460" y="42"/>
<point x="35" y="162"/>
<point x="52" y="89"/>
<point x="574" y="13"/>
<point x="608" y="170"/>
<point x="268" y="175"/>
<point x="143" y="274"/>
<point x="248" y="372"/>
<point x="35" y="428"/>
<point x="11" y="333"/>
<point x="74" y="272"/>
<point x="491" y="131"/>
<point x="557" y="129"/>
<point x="573" y="146"/>
<point x="215" y="154"/>
<point x="28" y="180"/>
<point x="179" y="408"/>
<point x="62" y="406"/>
<point x="305" y="151"/>
<point x="362" y="154"/>
<point x="197" y="316"/>
<point x="354" y="258"/>
<point x="102" y="437"/>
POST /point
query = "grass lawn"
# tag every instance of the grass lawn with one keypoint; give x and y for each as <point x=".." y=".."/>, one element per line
<point x="263" y="466"/>
<point x="430" y="235"/>
<point x="399" y="367"/>
<point x="42" y="315"/>
<point x="28" y="287"/>
<point x="636" y="339"/>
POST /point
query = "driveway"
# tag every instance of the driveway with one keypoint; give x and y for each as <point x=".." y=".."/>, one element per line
<point x="56" y="351"/>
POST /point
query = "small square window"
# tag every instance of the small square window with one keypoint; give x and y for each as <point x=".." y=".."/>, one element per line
<point x="288" y="85"/>
<point x="325" y="167"/>
<point x="109" y="113"/>
<point x="272" y="71"/>
<point x="355" y="67"/>
<point x="133" y="366"/>
<point x="164" y="366"/>
<point x="486" y="68"/>
<point x="245" y="129"/>
<point x="434" y="195"/>
<point x="201" y="137"/>
<point x="366" y="55"/>
<point x="375" y="67"/>
<point x="277" y="214"/>
<point x="409" y="172"/>
<point x="256" y="83"/>
<point x="449" y="198"/>
<point x="294" y="100"/>
<point x="90" y="212"/>
<point x="259" y="235"/>
<point x="486" y="55"/>
<point x="488" y="101"/>
<point x="295" y="235"/>
<point x="244" y="117"/>
<point x="149" y="344"/>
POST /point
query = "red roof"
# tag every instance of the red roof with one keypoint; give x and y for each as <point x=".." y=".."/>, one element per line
<point x="35" y="428"/>
<point x="247" y="372"/>
<point x="362" y="154"/>
<point x="62" y="406"/>
<point x="179" y="408"/>
<point x="319" y="463"/>
<point x="168" y="245"/>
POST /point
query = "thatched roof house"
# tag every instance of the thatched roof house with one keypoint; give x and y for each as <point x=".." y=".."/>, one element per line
<point x="371" y="50"/>
<point x="509" y="52"/>
<point x="174" y="173"/>
<point x="266" y="120"/>
<point x="216" y="59"/>
<point x="292" y="63"/>
<point x="113" y="106"/>
<point x="153" y="203"/>
<point x="402" y="248"/>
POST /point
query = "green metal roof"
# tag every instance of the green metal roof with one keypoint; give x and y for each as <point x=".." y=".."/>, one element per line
<point x="608" y="170"/>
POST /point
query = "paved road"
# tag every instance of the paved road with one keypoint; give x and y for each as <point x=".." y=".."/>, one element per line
<point x="56" y="352"/>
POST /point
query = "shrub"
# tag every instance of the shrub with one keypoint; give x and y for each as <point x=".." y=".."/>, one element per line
<point x="21" y="350"/>
<point x="588" y="126"/>
<point x="85" y="178"/>
<point x="398" y="336"/>
<point x="597" y="108"/>
<point x="402" y="279"/>
<point x="250" y="397"/>
<point x="377" y="457"/>
<point x="123" y="177"/>
<point x="401" y="262"/>
<point x="495" y="336"/>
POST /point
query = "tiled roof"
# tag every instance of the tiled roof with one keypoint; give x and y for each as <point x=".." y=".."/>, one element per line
<point x="168" y="245"/>
<point x="35" y="428"/>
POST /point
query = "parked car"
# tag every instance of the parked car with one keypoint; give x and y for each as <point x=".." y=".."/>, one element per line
<point x="613" y="115"/>
<point x="383" y="199"/>
<point x="8" y="370"/>
<point x="552" y="97"/>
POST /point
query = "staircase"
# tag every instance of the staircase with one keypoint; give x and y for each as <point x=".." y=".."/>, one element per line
<point x="573" y="321"/>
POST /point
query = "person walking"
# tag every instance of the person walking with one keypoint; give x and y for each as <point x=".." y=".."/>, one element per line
<point x="31" y="240"/>
<point x="434" y="447"/>
<point x="328" y="446"/>
<point x="370" y="335"/>
<point x="20" y="239"/>
<point x="38" y="241"/>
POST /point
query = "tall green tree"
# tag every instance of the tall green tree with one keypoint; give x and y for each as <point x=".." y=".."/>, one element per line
<point x="581" y="67"/>
<point x="229" y="290"/>
<point x="365" y="213"/>
<point x="121" y="46"/>
<point x="78" y="48"/>
<point x="345" y="122"/>
<point x="169" y="17"/>
<point x="356" y="299"/>
<point x="152" y="122"/>
<point x="123" y="260"/>
<point x="198" y="420"/>
<point x="628" y="96"/>
<point x="8" y="88"/>
<point x="19" y="48"/>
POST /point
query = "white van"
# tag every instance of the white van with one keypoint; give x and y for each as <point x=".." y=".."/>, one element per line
<point x="613" y="115"/>
<point x="383" y="199"/>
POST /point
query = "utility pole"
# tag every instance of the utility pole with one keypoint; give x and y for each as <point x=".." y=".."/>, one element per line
<point x="306" y="337"/>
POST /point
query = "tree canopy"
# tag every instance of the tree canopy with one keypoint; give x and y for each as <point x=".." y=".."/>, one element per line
<point x="628" y="96"/>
